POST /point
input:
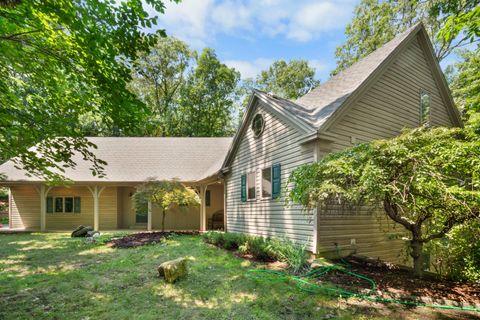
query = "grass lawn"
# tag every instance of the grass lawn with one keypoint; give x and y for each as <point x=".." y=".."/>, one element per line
<point x="52" y="276"/>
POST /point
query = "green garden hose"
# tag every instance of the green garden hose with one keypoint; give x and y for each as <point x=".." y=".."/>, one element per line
<point x="303" y="283"/>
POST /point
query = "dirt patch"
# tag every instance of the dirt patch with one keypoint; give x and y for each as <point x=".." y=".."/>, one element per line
<point x="144" y="238"/>
<point x="394" y="282"/>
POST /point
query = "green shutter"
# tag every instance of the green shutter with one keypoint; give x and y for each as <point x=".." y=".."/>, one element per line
<point x="244" y="188"/>
<point x="276" y="180"/>
<point x="77" y="206"/>
<point x="49" y="205"/>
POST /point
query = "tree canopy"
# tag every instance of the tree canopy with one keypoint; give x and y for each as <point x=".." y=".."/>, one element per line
<point x="188" y="94"/>
<point x="376" y="22"/>
<point x="60" y="61"/>
<point x="289" y="80"/>
<point x="427" y="180"/>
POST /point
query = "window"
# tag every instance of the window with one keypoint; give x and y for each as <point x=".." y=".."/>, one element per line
<point x="207" y="198"/>
<point x="251" y="192"/>
<point x="258" y="124"/>
<point x="424" y="108"/>
<point x="267" y="182"/>
<point x="58" y="205"/>
<point x="68" y="204"/>
<point x="64" y="204"/>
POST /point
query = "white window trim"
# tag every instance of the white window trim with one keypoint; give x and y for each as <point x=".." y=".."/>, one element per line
<point x="63" y="206"/>
<point x="261" y="183"/>
<point x="254" y="184"/>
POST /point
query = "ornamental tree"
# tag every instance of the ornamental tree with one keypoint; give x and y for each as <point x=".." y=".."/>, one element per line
<point x="165" y="195"/>
<point x="427" y="180"/>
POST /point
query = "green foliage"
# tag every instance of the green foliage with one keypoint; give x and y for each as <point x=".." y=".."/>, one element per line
<point x="465" y="85"/>
<point x="289" y="80"/>
<point x="3" y="194"/>
<point x="165" y="195"/>
<point x="158" y="78"/>
<point x="263" y="249"/>
<point x="59" y="61"/>
<point x="207" y="102"/>
<point x="427" y="180"/>
<point x="457" y="256"/>
<point x="376" y="22"/>
<point x="188" y="94"/>
<point x="459" y="17"/>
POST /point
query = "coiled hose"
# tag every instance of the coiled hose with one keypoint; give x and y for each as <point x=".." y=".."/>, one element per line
<point x="305" y="283"/>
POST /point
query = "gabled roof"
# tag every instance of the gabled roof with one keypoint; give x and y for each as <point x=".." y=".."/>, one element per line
<point x="138" y="159"/>
<point x="318" y="106"/>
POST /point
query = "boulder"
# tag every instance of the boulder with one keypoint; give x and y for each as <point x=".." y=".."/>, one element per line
<point x="82" y="232"/>
<point x="173" y="269"/>
<point x="80" y="227"/>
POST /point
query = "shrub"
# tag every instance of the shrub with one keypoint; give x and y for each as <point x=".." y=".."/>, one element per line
<point x="457" y="256"/>
<point x="258" y="248"/>
<point x="263" y="249"/>
<point x="289" y="252"/>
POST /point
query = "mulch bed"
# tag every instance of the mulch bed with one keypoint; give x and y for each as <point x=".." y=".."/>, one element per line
<point x="398" y="283"/>
<point x="144" y="238"/>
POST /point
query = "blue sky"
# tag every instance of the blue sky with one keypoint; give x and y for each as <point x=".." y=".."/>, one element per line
<point x="249" y="35"/>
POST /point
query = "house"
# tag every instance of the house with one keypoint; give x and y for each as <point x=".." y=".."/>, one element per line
<point x="399" y="85"/>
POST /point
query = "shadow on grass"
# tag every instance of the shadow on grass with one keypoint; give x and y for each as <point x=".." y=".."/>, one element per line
<point x="66" y="278"/>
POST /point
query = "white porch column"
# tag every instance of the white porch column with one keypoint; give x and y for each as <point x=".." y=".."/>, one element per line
<point x="203" y="209"/>
<point x="149" y="216"/>
<point x="96" y="205"/>
<point x="43" y="208"/>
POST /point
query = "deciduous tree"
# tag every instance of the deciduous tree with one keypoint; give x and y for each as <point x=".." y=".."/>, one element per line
<point x="427" y="180"/>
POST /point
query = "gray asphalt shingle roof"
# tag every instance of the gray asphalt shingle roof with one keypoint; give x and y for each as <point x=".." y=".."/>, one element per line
<point x="138" y="159"/>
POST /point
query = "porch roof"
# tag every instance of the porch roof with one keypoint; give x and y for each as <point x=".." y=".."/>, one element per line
<point x="141" y="158"/>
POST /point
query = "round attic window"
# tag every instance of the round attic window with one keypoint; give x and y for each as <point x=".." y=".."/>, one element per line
<point x="258" y="125"/>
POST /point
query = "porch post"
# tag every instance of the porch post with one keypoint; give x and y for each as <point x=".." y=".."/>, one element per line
<point x="96" y="206"/>
<point x="10" y="207"/>
<point x="149" y="216"/>
<point x="43" y="208"/>
<point x="203" y="209"/>
<point x="96" y="213"/>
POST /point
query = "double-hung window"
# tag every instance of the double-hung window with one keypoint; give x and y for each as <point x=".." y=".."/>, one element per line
<point x="251" y="184"/>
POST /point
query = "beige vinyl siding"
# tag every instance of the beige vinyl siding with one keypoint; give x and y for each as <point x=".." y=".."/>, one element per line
<point x="267" y="217"/>
<point x="362" y="230"/>
<point x="25" y="207"/>
<point x="391" y="104"/>
<point x="68" y="221"/>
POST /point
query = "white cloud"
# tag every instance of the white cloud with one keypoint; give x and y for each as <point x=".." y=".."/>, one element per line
<point x="199" y="21"/>
<point x="315" y="18"/>
<point x="249" y="69"/>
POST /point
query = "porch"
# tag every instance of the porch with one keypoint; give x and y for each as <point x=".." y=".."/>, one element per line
<point x="107" y="207"/>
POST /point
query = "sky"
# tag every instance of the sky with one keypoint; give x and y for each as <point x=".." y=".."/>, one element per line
<point x="250" y="34"/>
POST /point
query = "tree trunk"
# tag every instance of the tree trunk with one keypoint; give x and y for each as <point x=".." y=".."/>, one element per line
<point x="417" y="255"/>
<point x="163" y="220"/>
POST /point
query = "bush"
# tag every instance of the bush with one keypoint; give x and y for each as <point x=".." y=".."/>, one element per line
<point x="263" y="249"/>
<point x="457" y="256"/>
<point x="289" y="252"/>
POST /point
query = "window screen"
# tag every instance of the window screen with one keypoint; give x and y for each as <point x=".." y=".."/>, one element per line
<point x="267" y="182"/>
<point x="69" y="204"/>
<point x="251" y="185"/>
<point x="58" y="204"/>
<point x="424" y="108"/>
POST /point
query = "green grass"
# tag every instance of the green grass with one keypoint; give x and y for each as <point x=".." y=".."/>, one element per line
<point x="52" y="276"/>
